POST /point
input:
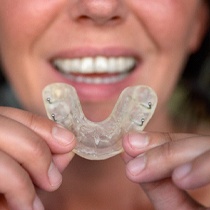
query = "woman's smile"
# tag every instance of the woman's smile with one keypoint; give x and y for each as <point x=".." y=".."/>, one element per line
<point x="96" y="70"/>
<point x="97" y="74"/>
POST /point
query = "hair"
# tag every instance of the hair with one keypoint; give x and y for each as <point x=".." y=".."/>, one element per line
<point x="192" y="95"/>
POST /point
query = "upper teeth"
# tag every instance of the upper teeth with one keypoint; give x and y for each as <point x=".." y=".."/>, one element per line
<point x="100" y="64"/>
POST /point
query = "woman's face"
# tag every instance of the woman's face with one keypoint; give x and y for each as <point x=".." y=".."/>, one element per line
<point x="109" y="44"/>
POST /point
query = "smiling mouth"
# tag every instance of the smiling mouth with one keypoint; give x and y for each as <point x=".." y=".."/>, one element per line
<point x="96" y="70"/>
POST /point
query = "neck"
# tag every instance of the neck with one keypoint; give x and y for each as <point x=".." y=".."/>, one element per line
<point x="95" y="171"/>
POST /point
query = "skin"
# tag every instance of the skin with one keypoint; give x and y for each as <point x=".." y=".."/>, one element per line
<point x="161" y="34"/>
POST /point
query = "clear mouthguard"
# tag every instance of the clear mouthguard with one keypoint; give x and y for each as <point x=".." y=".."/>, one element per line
<point x="101" y="140"/>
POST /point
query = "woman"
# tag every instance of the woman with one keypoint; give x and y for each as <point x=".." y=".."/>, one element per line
<point x="157" y="37"/>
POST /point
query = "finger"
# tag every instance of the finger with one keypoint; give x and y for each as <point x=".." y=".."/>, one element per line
<point x="193" y="174"/>
<point x="59" y="139"/>
<point x="126" y="157"/>
<point x="62" y="160"/>
<point x="159" y="162"/>
<point x="28" y="149"/>
<point x="137" y="143"/>
<point x="16" y="185"/>
<point x="165" y="195"/>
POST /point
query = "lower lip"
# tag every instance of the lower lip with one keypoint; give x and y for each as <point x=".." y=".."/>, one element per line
<point x="97" y="92"/>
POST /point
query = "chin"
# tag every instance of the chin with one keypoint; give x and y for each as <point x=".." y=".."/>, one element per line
<point x="97" y="112"/>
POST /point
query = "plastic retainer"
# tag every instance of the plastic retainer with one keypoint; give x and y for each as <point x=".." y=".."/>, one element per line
<point x="101" y="140"/>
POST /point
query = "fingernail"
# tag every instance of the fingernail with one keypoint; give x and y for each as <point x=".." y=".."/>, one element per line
<point x="54" y="175"/>
<point x="137" y="165"/>
<point x="138" y="140"/>
<point x="62" y="135"/>
<point x="182" y="171"/>
<point x="37" y="205"/>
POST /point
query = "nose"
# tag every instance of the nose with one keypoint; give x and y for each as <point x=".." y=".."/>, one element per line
<point x="99" y="12"/>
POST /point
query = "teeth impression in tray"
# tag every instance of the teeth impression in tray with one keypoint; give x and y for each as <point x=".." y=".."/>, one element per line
<point x="100" y="140"/>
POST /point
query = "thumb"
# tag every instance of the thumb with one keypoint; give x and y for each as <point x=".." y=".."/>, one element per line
<point x="165" y="195"/>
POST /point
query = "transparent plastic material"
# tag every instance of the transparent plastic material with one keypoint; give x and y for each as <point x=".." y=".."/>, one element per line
<point x="101" y="140"/>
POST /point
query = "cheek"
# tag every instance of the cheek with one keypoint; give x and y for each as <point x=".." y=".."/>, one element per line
<point x="23" y="21"/>
<point x="167" y="22"/>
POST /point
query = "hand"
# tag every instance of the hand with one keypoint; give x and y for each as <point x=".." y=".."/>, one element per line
<point x="167" y="165"/>
<point x="33" y="152"/>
